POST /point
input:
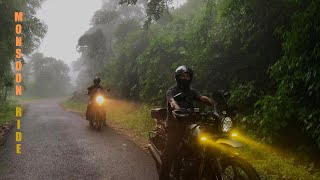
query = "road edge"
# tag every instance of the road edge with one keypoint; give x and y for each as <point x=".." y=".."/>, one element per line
<point x="6" y="128"/>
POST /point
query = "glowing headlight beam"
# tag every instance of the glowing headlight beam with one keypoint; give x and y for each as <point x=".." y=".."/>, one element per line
<point x="226" y="124"/>
<point x="100" y="99"/>
<point x="203" y="138"/>
<point x="234" y="134"/>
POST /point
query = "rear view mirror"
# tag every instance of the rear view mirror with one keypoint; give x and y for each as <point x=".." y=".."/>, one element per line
<point x="221" y="95"/>
<point x="227" y="95"/>
<point x="178" y="97"/>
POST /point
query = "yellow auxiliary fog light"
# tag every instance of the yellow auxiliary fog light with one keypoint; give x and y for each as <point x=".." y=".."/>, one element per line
<point x="234" y="134"/>
<point x="203" y="138"/>
<point x="99" y="99"/>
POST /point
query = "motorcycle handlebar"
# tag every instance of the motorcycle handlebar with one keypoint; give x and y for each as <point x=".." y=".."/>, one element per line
<point x="183" y="113"/>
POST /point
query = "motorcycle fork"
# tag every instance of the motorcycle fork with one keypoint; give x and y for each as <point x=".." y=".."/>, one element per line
<point x="218" y="168"/>
<point x="202" y="162"/>
<point x="205" y="160"/>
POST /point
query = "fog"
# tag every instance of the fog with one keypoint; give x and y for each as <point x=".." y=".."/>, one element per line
<point x="67" y="21"/>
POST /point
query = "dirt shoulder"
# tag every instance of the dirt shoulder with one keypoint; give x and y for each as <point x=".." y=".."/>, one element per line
<point x="4" y="130"/>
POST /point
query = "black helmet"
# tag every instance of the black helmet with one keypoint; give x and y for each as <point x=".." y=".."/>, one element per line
<point x="182" y="70"/>
<point x="96" y="80"/>
<point x="183" y="84"/>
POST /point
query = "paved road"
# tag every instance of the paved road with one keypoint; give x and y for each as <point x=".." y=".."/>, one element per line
<point x="58" y="144"/>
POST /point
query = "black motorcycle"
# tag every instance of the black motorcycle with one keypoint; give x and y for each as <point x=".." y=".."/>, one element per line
<point x="97" y="113"/>
<point x="207" y="149"/>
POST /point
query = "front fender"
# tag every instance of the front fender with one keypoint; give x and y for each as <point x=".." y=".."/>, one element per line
<point x="99" y="113"/>
<point x="229" y="142"/>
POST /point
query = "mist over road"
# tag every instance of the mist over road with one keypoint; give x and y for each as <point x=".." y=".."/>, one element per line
<point x="58" y="144"/>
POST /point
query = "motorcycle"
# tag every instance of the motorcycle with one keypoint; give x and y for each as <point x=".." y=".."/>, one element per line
<point x="206" y="151"/>
<point x="97" y="112"/>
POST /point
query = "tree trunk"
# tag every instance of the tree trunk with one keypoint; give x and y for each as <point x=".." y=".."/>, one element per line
<point x="5" y="93"/>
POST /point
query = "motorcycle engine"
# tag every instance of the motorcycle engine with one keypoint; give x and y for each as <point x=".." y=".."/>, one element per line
<point x="189" y="167"/>
<point x="158" y="138"/>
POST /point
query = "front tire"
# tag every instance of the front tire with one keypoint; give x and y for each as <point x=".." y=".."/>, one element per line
<point x="238" y="168"/>
<point x="100" y="125"/>
<point x="234" y="168"/>
<point x="91" y="123"/>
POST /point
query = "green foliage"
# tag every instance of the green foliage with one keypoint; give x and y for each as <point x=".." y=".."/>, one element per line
<point x="297" y="69"/>
<point x="32" y="33"/>
<point x="244" y="96"/>
<point x="297" y="97"/>
<point x="155" y="9"/>
<point x="266" y="52"/>
<point x="274" y="166"/>
<point x="93" y="47"/>
<point x="103" y="44"/>
<point x="7" y="111"/>
<point x="122" y="73"/>
<point x="162" y="56"/>
<point x="272" y="113"/>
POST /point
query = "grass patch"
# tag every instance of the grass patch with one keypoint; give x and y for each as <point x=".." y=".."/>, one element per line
<point x="132" y="116"/>
<point x="7" y="112"/>
<point x="274" y="166"/>
<point x="136" y="118"/>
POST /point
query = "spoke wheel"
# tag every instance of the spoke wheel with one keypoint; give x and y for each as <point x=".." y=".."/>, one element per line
<point x="238" y="169"/>
<point x="100" y="124"/>
<point x="91" y="123"/>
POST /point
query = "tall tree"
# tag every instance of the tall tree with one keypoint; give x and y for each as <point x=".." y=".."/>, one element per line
<point x="33" y="31"/>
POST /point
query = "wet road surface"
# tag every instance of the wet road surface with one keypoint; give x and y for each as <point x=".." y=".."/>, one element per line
<point x="58" y="144"/>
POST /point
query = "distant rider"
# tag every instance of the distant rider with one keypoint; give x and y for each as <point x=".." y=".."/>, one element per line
<point x="96" y="85"/>
<point x="183" y="76"/>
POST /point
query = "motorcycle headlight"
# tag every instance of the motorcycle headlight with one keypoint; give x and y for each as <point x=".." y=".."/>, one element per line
<point x="226" y="124"/>
<point x="99" y="99"/>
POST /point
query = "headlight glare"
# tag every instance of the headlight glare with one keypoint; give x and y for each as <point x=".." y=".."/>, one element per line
<point x="203" y="138"/>
<point x="99" y="99"/>
<point x="226" y="124"/>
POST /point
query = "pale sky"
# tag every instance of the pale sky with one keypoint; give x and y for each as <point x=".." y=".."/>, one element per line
<point x="67" y="20"/>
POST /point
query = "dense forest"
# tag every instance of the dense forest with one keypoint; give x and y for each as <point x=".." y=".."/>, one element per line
<point x="265" y="52"/>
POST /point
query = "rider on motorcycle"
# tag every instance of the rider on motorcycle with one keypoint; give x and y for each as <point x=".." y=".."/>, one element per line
<point x="183" y="76"/>
<point x="96" y="85"/>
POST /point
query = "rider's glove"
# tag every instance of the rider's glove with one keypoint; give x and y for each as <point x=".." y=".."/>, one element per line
<point x="184" y="111"/>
